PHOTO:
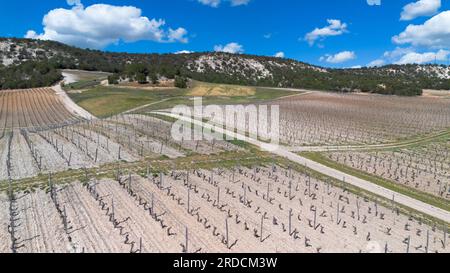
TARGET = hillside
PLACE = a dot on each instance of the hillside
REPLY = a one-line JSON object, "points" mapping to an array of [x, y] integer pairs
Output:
{"points": [[33, 63]]}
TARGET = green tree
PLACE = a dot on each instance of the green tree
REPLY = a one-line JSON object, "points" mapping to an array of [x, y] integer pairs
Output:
{"points": [[180, 82], [141, 78], [113, 79], [154, 78]]}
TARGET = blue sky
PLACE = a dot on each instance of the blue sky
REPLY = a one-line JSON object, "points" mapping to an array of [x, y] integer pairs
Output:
{"points": [[360, 33]]}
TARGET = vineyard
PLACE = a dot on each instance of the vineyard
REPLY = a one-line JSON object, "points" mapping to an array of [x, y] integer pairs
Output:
{"points": [[124, 184], [260, 209], [425, 168], [320, 119], [88, 144], [339, 119], [32, 108]]}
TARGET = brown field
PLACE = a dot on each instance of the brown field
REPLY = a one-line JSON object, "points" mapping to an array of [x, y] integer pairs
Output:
{"points": [[221, 90], [32, 108], [442, 94]]}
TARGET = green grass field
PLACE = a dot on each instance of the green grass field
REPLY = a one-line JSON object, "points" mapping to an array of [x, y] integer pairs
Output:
{"points": [[82, 85], [106, 101]]}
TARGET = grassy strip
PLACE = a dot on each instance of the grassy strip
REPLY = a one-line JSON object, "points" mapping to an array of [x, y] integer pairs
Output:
{"points": [[162, 163], [413, 193], [161, 117], [416, 142], [81, 85]]}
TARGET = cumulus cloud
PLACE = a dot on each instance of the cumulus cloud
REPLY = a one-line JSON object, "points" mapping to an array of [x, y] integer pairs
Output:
{"points": [[397, 53], [422, 58], [374, 2], [233, 48], [216, 3], [279, 54], [177, 35], [74, 3], [31, 34], [411, 55], [184, 52], [335, 28], [433, 33], [340, 57], [420, 8], [376, 63], [100, 25]]}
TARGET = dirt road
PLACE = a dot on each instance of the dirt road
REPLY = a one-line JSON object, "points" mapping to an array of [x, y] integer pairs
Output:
{"points": [[70, 105]]}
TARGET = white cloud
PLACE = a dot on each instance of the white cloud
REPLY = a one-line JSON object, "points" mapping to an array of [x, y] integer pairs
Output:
{"points": [[74, 3], [427, 57], [211, 3], [31, 34], [433, 33], [235, 3], [340, 57], [177, 35], [335, 28], [184, 52], [216, 3], [280, 54], [411, 56], [230, 48], [268, 35], [397, 52], [356, 67], [420, 8], [376, 63], [374, 2], [100, 25]]}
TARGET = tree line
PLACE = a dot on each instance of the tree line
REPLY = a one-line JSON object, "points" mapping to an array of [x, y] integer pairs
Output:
{"points": [[144, 68], [30, 74]]}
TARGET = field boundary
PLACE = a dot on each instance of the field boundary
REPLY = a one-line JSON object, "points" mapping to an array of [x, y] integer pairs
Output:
{"points": [[418, 195], [377, 147]]}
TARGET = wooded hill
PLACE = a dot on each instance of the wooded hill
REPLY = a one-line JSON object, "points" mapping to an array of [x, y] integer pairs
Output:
{"points": [[35, 63]]}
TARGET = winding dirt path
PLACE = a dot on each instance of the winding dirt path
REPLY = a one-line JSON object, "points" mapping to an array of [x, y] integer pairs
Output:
{"points": [[71, 105]]}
